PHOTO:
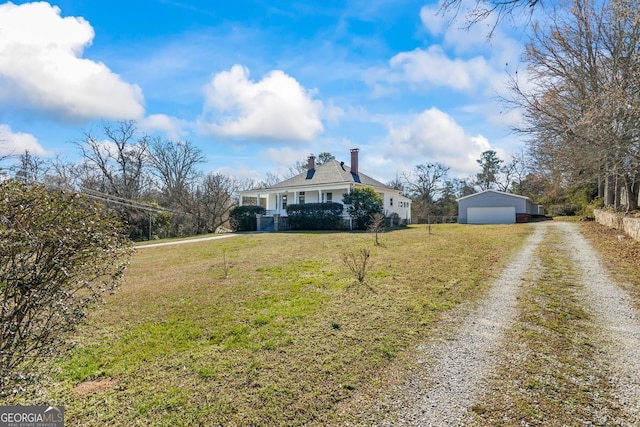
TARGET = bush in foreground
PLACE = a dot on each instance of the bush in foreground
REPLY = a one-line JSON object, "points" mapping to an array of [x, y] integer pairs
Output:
{"points": [[58, 255]]}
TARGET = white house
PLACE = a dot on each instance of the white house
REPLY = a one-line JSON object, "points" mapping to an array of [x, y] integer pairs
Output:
{"points": [[496, 207], [327, 182]]}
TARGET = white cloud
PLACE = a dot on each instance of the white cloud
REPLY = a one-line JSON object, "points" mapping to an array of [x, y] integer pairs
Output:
{"points": [[276, 107], [432, 19], [434, 136], [458, 58], [42, 68], [172, 127], [16, 143], [433, 66]]}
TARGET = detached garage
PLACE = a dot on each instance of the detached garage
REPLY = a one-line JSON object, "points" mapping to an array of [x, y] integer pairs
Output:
{"points": [[495, 207]]}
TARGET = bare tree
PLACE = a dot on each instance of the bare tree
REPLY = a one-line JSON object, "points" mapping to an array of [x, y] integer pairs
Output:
{"points": [[514, 172], [63, 174], [271, 179], [117, 166], [213, 200], [426, 180], [495, 11], [300, 166], [174, 163], [122, 158], [397, 184], [30, 168], [424, 184], [582, 102], [376, 225]]}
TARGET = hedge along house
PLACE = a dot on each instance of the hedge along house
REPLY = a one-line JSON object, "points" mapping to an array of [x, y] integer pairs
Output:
{"points": [[496, 207], [319, 184]]}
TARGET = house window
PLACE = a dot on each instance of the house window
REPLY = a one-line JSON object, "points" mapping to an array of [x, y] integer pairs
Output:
{"points": [[284, 201], [329, 197], [301, 198]]}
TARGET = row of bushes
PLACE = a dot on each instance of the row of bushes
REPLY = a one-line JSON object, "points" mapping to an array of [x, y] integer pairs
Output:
{"points": [[308, 216], [315, 216]]}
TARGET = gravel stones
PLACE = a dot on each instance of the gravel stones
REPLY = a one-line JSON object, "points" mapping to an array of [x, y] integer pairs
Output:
{"points": [[453, 367]]}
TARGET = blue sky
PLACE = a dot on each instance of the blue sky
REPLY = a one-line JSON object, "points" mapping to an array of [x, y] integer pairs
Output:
{"points": [[259, 85]]}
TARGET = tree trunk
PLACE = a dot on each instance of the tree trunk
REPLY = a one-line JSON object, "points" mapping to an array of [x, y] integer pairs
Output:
{"points": [[610, 190], [632, 187], [618, 195]]}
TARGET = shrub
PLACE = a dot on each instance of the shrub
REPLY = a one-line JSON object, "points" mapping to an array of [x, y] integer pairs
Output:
{"points": [[362, 204], [58, 254], [356, 262], [315, 216], [587, 211], [563, 210], [243, 218]]}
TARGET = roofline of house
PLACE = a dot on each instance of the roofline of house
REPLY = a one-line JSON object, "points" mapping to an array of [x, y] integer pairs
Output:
{"points": [[494, 191], [319, 186]]}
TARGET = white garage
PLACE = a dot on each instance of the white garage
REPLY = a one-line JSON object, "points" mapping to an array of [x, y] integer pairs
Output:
{"points": [[491, 215]]}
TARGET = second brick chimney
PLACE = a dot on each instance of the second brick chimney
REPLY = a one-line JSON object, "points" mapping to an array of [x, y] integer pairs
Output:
{"points": [[311, 162], [354, 160]]}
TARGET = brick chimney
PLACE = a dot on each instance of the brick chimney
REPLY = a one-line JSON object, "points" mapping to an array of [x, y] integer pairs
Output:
{"points": [[311, 162], [354, 160]]}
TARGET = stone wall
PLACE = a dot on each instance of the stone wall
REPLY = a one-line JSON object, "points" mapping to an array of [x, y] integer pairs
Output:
{"points": [[631, 226]]}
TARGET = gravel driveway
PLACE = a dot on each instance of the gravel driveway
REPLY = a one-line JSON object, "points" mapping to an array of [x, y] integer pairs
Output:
{"points": [[454, 366]]}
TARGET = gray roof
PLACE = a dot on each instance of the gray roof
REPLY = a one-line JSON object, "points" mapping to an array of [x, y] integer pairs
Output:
{"points": [[331, 172], [492, 191]]}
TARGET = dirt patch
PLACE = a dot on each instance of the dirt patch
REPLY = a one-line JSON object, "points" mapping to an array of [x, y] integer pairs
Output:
{"points": [[86, 388]]}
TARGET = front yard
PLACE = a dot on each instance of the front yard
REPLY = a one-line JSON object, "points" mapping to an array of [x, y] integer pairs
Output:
{"points": [[269, 329]]}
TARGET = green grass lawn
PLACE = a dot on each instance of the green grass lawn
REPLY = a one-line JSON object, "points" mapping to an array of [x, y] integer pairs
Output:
{"points": [[268, 329]]}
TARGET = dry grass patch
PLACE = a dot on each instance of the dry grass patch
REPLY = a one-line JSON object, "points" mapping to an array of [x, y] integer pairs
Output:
{"points": [[269, 329], [88, 387]]}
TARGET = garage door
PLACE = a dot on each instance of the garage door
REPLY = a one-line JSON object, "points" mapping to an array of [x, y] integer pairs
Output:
{"points": [[492, 215]]}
